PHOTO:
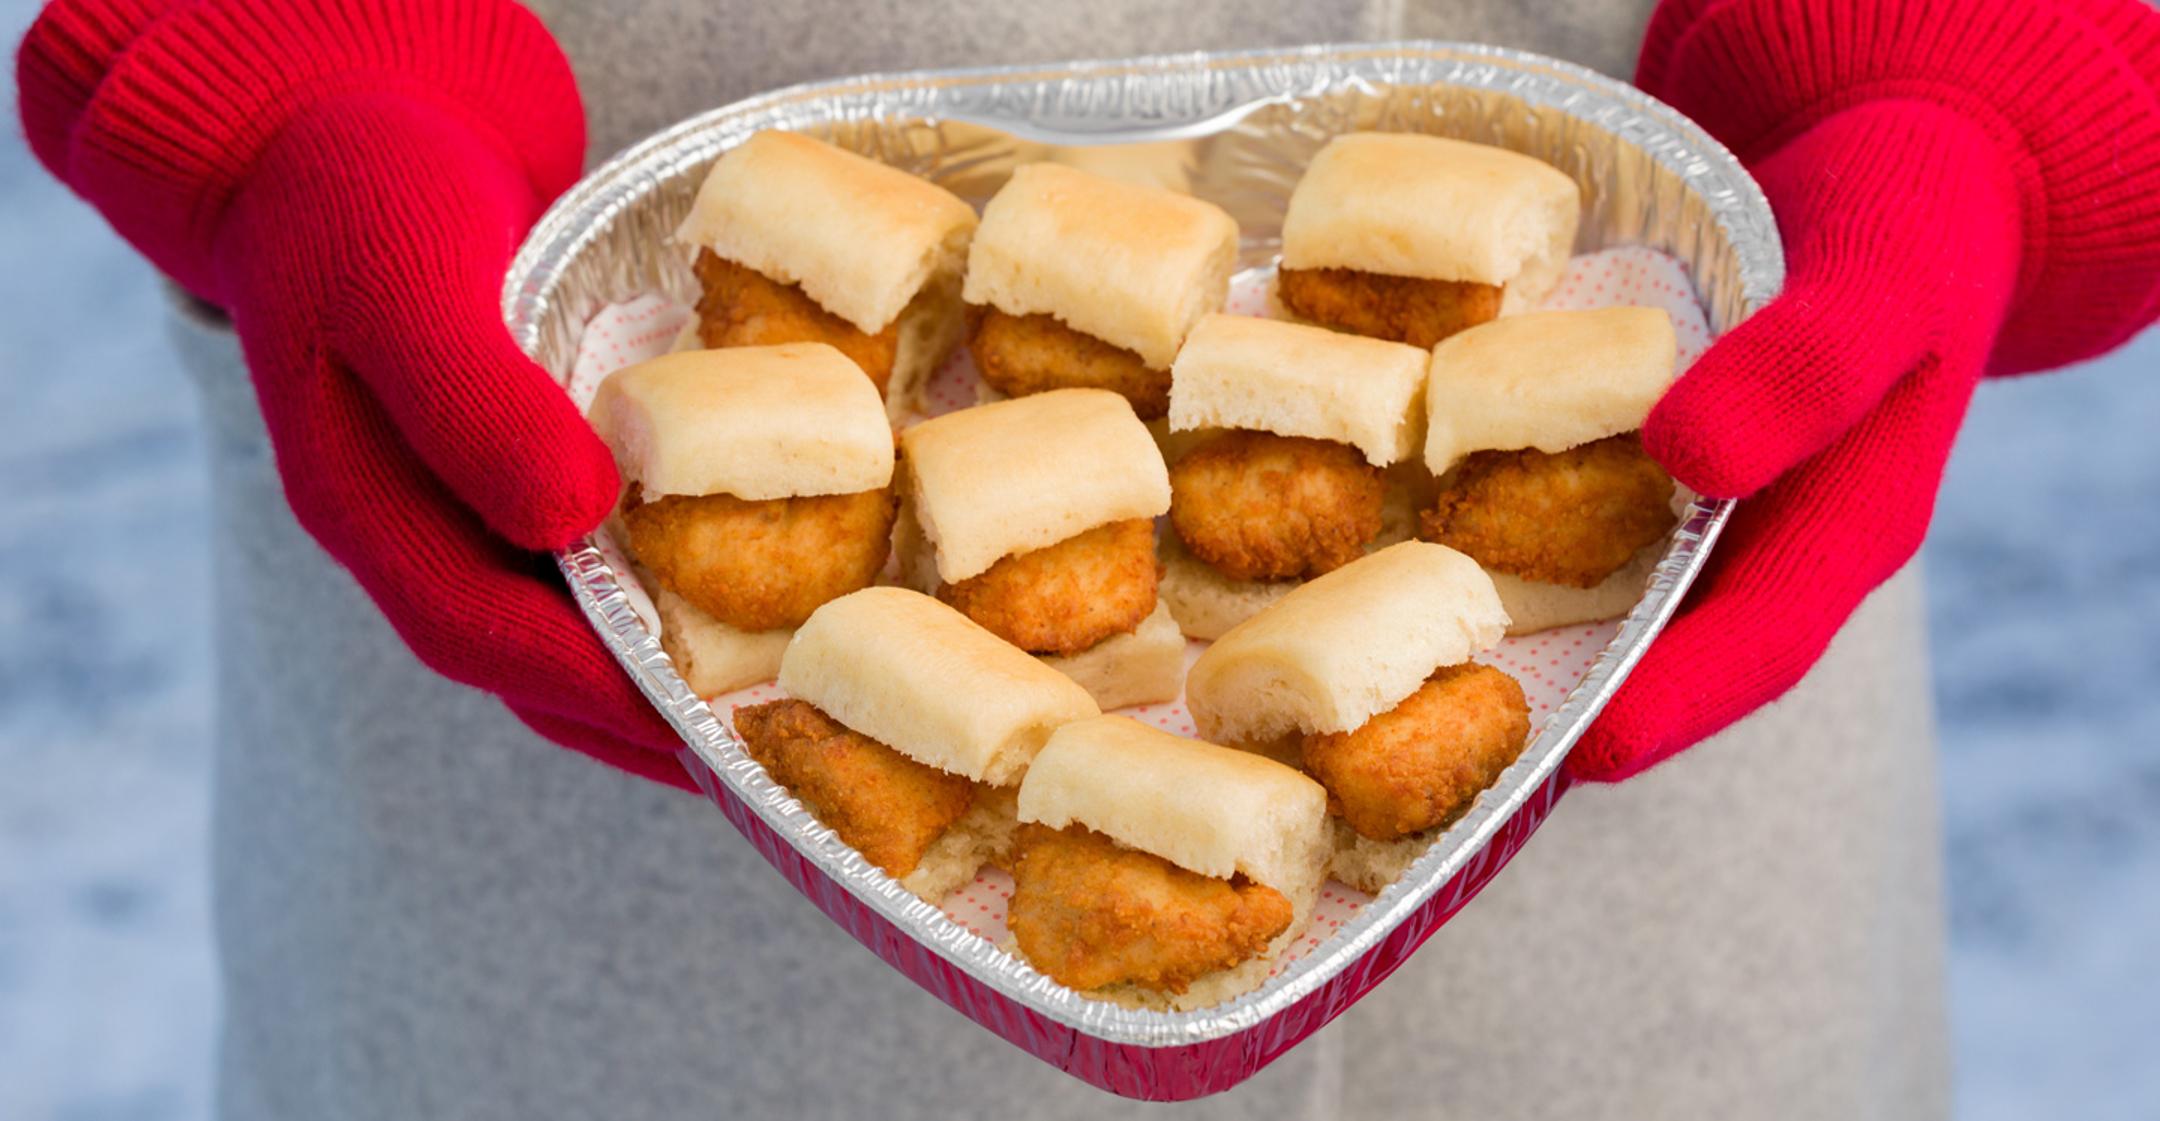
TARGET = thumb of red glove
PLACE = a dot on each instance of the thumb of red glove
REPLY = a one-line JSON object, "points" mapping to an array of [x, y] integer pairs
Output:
{"points": [[348, 180], [1963, 187]]}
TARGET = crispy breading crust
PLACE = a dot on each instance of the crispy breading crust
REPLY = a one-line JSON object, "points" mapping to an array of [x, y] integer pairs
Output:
{"points": [[1421, 763], [759, 566], [1065, 598], [1404, 309], [888, 806], [1571, 518], [1090, 913], [744, 307], [1258, 506], [1022, 354]]}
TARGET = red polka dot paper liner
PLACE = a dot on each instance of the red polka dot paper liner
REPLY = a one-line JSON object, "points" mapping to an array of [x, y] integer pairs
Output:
{"points": [[1548, 664]]}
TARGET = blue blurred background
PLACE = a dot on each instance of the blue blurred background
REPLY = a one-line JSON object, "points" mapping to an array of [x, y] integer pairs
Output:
{"points": [[2044, 572]]}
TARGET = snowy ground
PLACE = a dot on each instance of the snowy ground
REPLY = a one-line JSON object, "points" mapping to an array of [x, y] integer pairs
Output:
{"points": [[2045, 605]]}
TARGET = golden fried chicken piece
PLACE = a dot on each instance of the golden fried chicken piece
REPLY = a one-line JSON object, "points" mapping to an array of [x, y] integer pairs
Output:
{"points": [[1259, 506], [1022, 354], [1573, 518], [1091, 913], [1064, 598], [1421, 763], [888, 806], [744, 307], [758, 566], [1405, 309]]}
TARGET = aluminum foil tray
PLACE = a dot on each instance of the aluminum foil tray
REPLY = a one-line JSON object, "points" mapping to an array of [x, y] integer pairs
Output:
{"points": [[1236, 129]]}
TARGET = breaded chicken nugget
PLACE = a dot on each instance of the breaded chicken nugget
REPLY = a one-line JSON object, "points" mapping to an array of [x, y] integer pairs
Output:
{"points": [[1091, 913], [1065, 598], [1022, 354], [744, 307], [888, 806], [1572, 518], [1259, 506], [1421, 763], [758, 566], [1405, 309]]}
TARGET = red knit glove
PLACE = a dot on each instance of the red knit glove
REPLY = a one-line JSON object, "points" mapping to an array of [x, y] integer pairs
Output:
{"points": [[348, 179], [1964, 187]]}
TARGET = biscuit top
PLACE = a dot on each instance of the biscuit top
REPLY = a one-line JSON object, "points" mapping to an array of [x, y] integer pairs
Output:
{"points": [[757, 422], [1004, 478], [1549, 380]]}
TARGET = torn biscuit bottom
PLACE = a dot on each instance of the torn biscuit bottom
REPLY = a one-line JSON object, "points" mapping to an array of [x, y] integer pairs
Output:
{"points": [[1369, 865], [982, 838], [1404, 309], [712, 657], [1127, 926], [760, 564], [1534, 607], [1206, 603], [930, 829], [743, 307], [1143, 666], [1022, 354], [1571, 517], [1259, 506]]}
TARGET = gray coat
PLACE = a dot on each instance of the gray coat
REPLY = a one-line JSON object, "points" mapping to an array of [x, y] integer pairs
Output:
{"points": [[425, 912]]}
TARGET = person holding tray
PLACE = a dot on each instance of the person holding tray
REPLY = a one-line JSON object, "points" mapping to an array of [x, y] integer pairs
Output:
{"points": [[427, 909]]}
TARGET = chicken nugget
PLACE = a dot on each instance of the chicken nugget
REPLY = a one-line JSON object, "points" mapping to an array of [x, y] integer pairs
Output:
{"points": [[1405, 309], [1065, 598], [1089, 913], [1421, 763], [1258, 506], [1022, 354], [744, 307], [888, 806], [1572, 518], [767, 564]]}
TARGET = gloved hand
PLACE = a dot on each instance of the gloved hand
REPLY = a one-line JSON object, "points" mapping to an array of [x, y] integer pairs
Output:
{"points": [[347, 180], [1965, 187]]}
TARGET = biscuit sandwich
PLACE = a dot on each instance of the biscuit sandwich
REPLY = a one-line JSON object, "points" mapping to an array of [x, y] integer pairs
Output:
{"points": [[1412, 238], [1296, 453], [1533, 437], [1075, 280], [1364, 679], [758, 486], [801, 241], [1159, 871], [905, 730], [1035, 518]]}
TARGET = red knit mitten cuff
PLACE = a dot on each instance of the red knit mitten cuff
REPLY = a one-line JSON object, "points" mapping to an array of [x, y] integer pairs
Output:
{"points": [[155, 111]]}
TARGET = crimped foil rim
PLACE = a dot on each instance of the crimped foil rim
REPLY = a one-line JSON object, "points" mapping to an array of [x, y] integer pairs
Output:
{"points": [[1209, 90]]}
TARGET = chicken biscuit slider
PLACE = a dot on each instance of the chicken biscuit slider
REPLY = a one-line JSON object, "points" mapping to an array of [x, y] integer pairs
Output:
{"points": [[1413, 238], [1076, 280], [800, 241], [759, 486], [905, 730], [1542, 478], [1364, 678], [1035, 517], [1161, 871], [1287, 479]]}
